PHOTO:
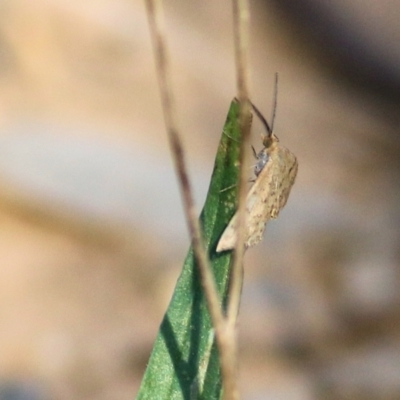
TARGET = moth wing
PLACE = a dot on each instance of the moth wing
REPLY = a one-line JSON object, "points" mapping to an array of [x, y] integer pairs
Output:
{"points": [[270, 193], [284, 175], [228, 238], [256, 215], [266, 198]]}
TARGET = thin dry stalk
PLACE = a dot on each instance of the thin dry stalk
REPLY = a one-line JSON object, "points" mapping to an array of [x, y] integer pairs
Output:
{"points": [[224, 328], [156, 23], [241, 16], [229, 356]]}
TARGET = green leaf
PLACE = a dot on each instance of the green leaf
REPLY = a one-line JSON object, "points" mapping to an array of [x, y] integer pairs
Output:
{"points": [[184, 362]]}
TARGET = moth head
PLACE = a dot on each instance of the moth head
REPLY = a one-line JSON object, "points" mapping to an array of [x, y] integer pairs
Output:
{"points": [[269, 140]]}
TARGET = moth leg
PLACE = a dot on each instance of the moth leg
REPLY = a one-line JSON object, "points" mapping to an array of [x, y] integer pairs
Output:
{"points": [[227, 188], [252, 180], [254, 152], [230, 137]]}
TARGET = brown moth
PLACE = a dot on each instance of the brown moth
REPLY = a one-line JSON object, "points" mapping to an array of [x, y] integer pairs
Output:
{"points": [[275, 172]]}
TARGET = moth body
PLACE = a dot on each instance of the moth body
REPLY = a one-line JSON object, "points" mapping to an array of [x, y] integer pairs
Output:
{"points": [[275, 171]]}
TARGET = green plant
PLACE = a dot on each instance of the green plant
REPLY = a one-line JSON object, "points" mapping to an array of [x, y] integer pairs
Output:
{"points": [[184, 363]]}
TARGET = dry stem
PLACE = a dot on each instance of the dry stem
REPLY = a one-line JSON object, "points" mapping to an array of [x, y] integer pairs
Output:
{"points": [[155, 16], [224, 327]]}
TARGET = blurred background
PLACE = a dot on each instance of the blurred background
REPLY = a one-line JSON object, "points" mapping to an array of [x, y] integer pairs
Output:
{"points": [[91, 227]]}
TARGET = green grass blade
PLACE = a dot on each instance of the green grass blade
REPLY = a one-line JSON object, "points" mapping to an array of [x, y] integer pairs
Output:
{"points": [[184, 362]]}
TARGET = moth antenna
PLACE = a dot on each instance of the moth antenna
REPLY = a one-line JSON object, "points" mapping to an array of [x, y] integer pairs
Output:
{"points": [[275, 101], [262, 119]]}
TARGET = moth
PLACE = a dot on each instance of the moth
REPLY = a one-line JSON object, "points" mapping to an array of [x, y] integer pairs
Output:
{"points": [[275, 171]]}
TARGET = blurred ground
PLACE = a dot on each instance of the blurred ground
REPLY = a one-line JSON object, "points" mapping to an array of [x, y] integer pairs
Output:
{"points": [[92, 236]]}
